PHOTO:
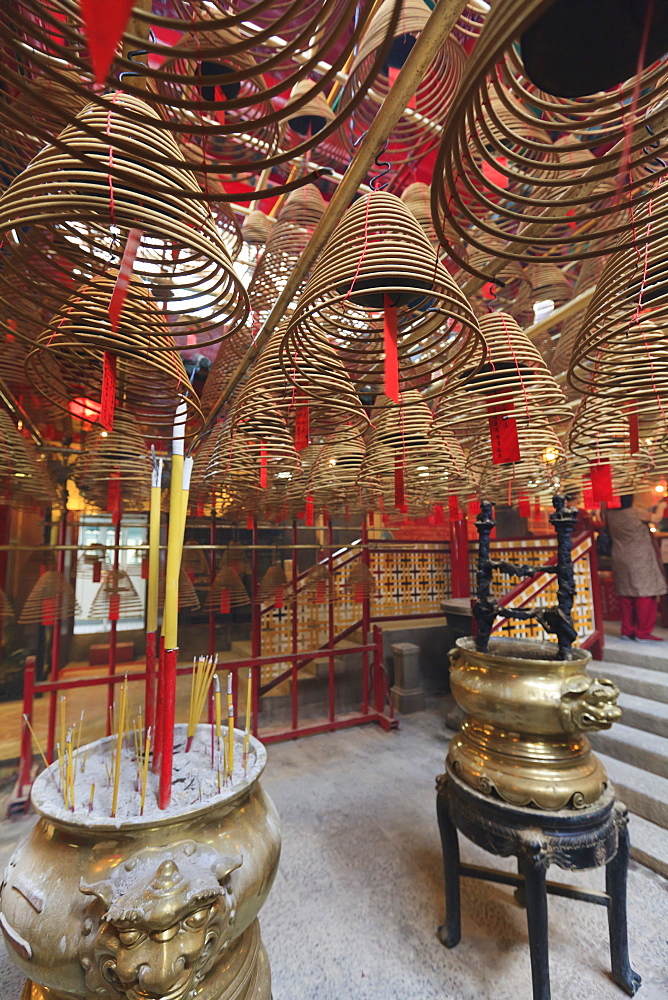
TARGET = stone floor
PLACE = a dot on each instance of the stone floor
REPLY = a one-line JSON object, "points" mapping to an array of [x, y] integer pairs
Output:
{"points": [[358, 896]]}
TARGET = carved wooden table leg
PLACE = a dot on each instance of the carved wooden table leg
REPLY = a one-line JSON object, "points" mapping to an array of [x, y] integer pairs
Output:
{"points": [[615, 885], [450, 932], [533, 866]]}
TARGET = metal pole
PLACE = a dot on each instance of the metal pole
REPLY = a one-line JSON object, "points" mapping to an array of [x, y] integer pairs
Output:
{"points": [[55, 642], [434, 34], [114, 626]]}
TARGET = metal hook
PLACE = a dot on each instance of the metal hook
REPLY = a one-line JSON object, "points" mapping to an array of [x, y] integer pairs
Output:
{"points": [[131, 57], [374, 182]]}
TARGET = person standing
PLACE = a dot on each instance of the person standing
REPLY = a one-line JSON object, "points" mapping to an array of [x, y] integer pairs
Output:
{"points": [[637, 573]]}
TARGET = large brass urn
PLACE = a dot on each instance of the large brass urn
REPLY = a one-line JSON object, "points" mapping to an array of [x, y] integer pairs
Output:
{"points": [[523, 737], [136, 910]]}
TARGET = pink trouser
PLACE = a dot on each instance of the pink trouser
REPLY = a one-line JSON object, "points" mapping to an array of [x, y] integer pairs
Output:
{"points": [[638, 616]]}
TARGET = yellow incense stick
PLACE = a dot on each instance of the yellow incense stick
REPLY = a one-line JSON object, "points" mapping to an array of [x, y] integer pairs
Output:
{"points": [[249, 699], [119, 745], [69, 776], [37, 743], [154, 550], [144, 775], [230, 726]]}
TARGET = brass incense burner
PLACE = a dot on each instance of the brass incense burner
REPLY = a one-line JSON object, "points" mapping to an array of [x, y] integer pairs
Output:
{"points": [[145, 910], [527, 715]]}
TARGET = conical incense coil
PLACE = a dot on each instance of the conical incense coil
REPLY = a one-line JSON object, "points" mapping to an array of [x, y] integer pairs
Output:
{"points": [[297, 220], [256, 228], [23, 477], [588, 274], [339, 480], [379, 256], [218, 81], [114, 469], [50, 600], [274, 588], [538, 471], [412, 136], [69, 359], [227, 591], [310, 118], [195, 564], [449, 475], [315, 401], [417, 199], [562, 197], [360, 583], [116, 598], [187, 597], [319, 586], [235, 555], [229, 354], [6, 609], [79, 215], [223, 216], [602, 435], [513, 382]]}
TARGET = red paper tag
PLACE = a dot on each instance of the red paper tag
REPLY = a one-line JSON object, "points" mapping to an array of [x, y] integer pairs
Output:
{"points": [[399, 496], [302, 428], [634, 430], [391, 380], [250, 523], [114, 497], [224, 601], [124, 275], [278, 598], [588, 497], [114, 607], [108, 399], [439, 513], [358, 593], [308, 513], [97, 571], [144, 568], [601, 480], [263, 465], [474, 508], [320, 591], [503, 433], [524, 506], [453, 508], [105, 24], [49, 611], [615, 502]]}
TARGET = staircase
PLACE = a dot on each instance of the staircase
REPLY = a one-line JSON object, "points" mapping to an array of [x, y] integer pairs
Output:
{"points": [[635, 751]]}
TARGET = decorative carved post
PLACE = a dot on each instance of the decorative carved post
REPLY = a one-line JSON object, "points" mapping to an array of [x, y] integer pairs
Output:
{"points": [[485, 608]]}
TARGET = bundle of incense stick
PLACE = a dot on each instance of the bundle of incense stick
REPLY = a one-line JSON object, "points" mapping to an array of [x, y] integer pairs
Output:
{"points": [[230, 727], [249, 702], [204, 667], [120, 733], [218, 719]]}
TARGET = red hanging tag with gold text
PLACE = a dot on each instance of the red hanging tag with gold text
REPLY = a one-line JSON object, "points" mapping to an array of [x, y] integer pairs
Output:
{"points": [[278, 598], [144, 568], [399, 495], [123, 277], [601, 480], [308, 511], [588, 497], [503, 432], [49, 611], [224, 601], [390, 335], [634, 429], [320, 592], [105, 24], [524, 506], [108, 397], [114, 497], [474, 507], [114, 607], [302, 428], [358, 593], [453, 508], [263, 465]]}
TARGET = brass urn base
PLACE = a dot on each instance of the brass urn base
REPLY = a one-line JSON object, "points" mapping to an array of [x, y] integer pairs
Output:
{"points": [[546, 772]]}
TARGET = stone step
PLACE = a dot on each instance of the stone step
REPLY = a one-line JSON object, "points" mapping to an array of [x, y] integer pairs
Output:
{"points": [[644, 713], [633, 746], [649, 844], [634, 680], [648, 655], [644, 793]]}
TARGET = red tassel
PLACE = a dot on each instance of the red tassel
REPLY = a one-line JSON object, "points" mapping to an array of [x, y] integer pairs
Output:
{"points": [[124, 275], [399, 495], [308, 513], [224, 601], [97, 571], [105, 24], [391, 381], [634, 429], [49, 611], [263, 465], [114, 607], [601, 480], [503, 433], [302, 429], [108, 398]]}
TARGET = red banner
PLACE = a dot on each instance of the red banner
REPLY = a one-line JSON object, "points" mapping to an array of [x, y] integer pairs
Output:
{"points": [[105, 22], [301, 426], [524, 506], [308, 512], [391, 380], [601, 480], [224, 601], [123, 277], [503, 432], [263, 465], [108, 397], [114, 607], [453, 508], [634, 429]]}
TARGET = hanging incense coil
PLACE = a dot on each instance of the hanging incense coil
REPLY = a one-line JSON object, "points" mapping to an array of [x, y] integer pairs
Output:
{"points": [[69, 358], [417, 131], [319, 586], [235, 555], [379, 255], [224, 218], [514, 381], [187, 596], [589, 273], [274, 588], [218, 80], [299, 215], [417, 199], [23, 476], [230, 353], [537, 473], [563, 193], [116, 597], [114, 468], [6, 609], [50, 600], [227, 591], [601, 434], [76, 217], [256, 227], [311, 118], [195, 564], [338, 478], [360, 583]]}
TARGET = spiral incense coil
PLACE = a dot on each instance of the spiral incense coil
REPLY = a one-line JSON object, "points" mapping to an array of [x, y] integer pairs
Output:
{"points": [[319, 586], [227, 359], [235, 555], [68, 359], [187, 596], [76, 217], [117, 456], [50, 600], [537, 473], [360, 583], [588, 274], [601, 434], [195, 564], [274, 589], [256, 227], [224, 218], [547, 283], [227, 591], [378, 255], [416, 197], [338, 479], [298, 218], [311, 118], [417, 131], [23, 476], [116, 597], [567, 195], [514, 381], [228, 69], [6, 609]]}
